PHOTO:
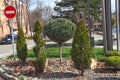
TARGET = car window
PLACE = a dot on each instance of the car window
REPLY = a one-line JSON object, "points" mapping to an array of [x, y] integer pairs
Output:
{"points": [[10, 36]]}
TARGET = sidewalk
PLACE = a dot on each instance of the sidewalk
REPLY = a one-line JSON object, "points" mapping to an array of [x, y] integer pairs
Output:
{"points": [[69, 42]]}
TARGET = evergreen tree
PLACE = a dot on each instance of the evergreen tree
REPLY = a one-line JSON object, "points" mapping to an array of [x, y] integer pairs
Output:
{"points": [[39, 62], [78, 9], [81, 50], [60, 30], [38, 38], [21, 46]]}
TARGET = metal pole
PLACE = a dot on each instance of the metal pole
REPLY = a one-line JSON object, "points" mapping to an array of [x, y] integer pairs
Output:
{"points": [[118, 23], [108, 24], [104, 26], [12, 39], [89, 21]]}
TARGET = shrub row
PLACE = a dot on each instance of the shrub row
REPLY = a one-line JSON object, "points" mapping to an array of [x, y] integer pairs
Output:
{"points": [[113, 59]]}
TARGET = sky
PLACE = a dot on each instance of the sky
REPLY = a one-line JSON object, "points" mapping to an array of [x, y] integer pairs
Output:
{"points": [[52, 4], [113, 6], [45, 2]]}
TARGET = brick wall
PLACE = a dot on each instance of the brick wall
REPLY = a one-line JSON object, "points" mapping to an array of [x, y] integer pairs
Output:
{"points": [[4, 28]]}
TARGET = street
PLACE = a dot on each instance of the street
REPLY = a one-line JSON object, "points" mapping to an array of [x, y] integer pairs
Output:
{"points": [[6, 49]]}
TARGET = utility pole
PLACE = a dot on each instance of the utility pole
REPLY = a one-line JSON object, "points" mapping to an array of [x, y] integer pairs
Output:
{"points": [[89, 23], [107, 25], [104, 26], [118, 23]]}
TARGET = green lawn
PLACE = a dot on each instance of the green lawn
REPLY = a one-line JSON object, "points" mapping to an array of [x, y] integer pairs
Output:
{"points": [[54, 53], [99, 53]]}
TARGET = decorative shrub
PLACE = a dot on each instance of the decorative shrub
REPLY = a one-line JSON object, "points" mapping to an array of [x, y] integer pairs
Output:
{"points": [[59, 30], [21, 46], [81, 50], [39, 62], [113, 61], [113, 53], [38, 38]]}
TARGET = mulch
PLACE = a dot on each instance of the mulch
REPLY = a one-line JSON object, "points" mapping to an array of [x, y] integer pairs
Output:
{"points": [[54, 69]]}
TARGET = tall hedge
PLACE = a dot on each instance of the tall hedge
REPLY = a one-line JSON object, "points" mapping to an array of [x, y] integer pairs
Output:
{"points": [[59, 30], [81, 50], [21, 46], [39, 62]]}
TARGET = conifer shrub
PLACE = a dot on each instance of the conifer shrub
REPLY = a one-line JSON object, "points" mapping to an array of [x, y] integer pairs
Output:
{"points": [[40, 60], [39, 43], [59, 30], [81, 50], [112, 53], [40, 63], [21, 46], [113, 61]]}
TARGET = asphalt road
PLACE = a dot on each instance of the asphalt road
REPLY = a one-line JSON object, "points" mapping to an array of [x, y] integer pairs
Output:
{"points": [[7, 49]]}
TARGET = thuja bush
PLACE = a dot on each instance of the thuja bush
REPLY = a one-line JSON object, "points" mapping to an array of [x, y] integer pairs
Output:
{"points": [[112, 53], [21, 46], [39, 62], [113, 61], [39, 43], [59, 30], [81, 50]]}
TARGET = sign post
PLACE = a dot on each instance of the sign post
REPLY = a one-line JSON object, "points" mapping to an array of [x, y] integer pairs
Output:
{"points": [[10, 13]]}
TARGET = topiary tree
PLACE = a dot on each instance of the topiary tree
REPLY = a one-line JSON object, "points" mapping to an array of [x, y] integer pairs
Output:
{"points": [[59, 30], [21, 46], [38, 38], [81, 50], [39, 62]]}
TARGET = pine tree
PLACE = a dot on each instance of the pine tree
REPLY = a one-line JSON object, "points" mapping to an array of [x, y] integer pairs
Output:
{"points": [[75, 10], [60, 30], [21, 46], [81, 50]]}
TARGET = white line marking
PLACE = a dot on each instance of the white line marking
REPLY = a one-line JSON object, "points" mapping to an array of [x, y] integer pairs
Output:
{"points": [[10, 12]]}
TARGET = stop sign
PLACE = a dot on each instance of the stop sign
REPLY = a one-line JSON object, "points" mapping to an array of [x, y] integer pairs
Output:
{"points": [[10, 11]]}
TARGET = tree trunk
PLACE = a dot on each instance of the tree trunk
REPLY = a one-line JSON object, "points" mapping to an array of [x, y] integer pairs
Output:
{"points": [[9, 25], [82, 72], [17, 14], [1, 25], [60, 52]]}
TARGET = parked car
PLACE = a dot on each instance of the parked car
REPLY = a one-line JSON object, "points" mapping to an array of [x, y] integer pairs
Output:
{"points": [[97, 29], [114, 35], [8, 39]]}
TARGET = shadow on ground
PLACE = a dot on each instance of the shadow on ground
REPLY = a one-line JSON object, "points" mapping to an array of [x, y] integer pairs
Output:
{"points": [[59, 75], [56, 45], [107, 78]]}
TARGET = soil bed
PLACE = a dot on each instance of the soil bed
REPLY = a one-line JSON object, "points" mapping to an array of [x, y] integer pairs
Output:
{"points": [[56, 71]]}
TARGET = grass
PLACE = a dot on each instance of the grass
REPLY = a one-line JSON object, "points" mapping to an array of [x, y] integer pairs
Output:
{"points": [[54, 53], [99, 53]]}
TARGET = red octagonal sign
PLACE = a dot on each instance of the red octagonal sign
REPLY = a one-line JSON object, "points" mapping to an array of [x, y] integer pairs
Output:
{"points": [[10, 12]]}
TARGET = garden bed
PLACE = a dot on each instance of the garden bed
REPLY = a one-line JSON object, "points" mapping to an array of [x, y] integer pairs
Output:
{"points": [[56, 71]]}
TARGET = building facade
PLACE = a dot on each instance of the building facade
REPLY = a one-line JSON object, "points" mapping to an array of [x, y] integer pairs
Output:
{"points": [[21, 19]]}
